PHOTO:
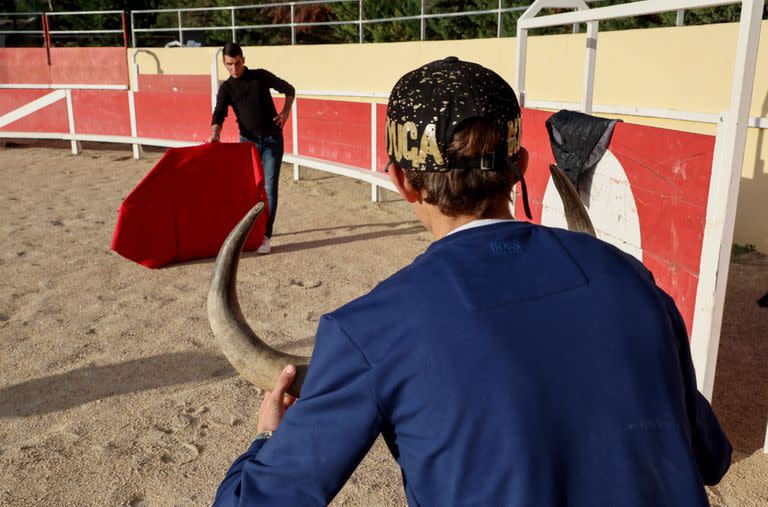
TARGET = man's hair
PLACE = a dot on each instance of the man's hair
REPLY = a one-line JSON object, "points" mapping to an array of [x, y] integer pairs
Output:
{"points": [[468, 191], [232, 50]]}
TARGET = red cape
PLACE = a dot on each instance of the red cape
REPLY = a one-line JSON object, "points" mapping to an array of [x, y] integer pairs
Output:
{"points": [[188, 203]]}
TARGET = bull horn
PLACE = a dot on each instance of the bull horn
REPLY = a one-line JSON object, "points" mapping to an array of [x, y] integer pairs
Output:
{"points": [[576, 215], [253, 359]]}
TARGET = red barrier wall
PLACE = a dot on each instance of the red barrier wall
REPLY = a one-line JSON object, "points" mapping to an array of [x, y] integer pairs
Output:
{"points": [[668, 171], [104, 66], [24, 65], [104, 112], [179, 83], [336, 131], [89, 66], [184, 117]]}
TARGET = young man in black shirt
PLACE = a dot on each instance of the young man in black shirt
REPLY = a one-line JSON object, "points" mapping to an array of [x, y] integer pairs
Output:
{"points": [[247, 91]]}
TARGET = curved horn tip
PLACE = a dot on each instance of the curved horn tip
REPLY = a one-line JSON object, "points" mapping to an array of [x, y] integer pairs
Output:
{"points": [[242, 347]]}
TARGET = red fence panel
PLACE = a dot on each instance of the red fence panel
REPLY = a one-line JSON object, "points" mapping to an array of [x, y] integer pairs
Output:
{"points": [[24, 66], [103, 112], [99, 66], [183, 117], [179, 83], [335, 131]]}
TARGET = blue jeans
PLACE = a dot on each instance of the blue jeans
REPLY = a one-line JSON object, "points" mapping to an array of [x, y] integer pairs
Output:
{"points": [[270, 150]]}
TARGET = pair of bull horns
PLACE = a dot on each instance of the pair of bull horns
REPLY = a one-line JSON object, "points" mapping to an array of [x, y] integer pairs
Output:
{"points": [[259, 363]]}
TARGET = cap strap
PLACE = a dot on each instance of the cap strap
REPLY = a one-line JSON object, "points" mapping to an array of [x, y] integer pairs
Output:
{"points": [[519, 173], [486, 162]]}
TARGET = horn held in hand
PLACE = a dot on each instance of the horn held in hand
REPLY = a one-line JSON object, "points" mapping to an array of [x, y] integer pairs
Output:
{"points": [[256, 361], [576, 215]]}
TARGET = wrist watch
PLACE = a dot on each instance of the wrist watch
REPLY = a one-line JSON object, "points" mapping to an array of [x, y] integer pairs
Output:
{"points": [[263, 435]]}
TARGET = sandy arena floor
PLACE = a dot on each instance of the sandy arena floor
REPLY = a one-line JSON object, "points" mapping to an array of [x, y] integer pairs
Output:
{"points": [[113, 390]]}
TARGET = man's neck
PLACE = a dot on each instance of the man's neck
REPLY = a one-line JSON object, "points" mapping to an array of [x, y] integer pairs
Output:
{"points": [[440, 225]]}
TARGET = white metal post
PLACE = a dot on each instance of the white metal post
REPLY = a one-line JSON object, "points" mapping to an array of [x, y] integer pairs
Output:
{"points": [[723, 194], [522, 55], [133, 32], [215, 77], [232, 19], [135, 76], [360, 20], [295, 138], [181, 32], [137, 151], [423, 24], [589, 66], [76, 147], [293, 26], [522, 37], [374, 147], [680, 18], [498, 20]]}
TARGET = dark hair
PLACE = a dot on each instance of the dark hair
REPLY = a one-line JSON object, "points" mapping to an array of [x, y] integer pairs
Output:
{"points": [[232, 50], [468, 191]]}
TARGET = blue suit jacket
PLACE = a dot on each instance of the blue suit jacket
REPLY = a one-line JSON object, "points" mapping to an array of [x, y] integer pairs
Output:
{"points": [[510, 364]]}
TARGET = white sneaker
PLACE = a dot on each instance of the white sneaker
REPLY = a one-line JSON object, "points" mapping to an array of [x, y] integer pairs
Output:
{"points": [[265, 247]]}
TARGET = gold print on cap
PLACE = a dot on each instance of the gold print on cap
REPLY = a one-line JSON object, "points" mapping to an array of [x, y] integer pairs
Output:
{"points": [[429, 145], [513, 136], [408, 130], [399, 137], [394, 147]]}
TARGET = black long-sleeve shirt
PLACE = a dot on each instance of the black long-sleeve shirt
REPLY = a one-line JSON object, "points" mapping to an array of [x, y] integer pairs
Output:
{"points": [[252, 102]]}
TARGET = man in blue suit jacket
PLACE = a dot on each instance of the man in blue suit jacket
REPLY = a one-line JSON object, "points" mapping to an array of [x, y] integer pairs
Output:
{"points": [[509, 364]]}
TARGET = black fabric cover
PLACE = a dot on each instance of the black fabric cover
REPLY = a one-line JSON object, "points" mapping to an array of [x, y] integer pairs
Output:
{"points": [[578, 141]]}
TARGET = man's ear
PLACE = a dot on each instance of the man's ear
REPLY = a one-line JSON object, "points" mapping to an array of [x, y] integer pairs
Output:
{"points": [[404, 187]]}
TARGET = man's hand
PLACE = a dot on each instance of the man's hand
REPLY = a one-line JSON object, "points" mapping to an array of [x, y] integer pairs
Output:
{"points": [[215, 133], [282, 118], [276, 402]]}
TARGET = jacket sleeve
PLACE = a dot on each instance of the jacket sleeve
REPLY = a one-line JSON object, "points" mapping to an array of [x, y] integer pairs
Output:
{"points": [[278, 84], [222, 106], [711, 447], [322, 437]]}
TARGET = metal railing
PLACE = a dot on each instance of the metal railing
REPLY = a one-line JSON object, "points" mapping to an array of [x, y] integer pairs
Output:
{"points": [[233, 27], [47, 33]]}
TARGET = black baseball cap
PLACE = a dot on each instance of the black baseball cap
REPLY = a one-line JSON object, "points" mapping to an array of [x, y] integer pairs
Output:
{"points": [[428, 104]]}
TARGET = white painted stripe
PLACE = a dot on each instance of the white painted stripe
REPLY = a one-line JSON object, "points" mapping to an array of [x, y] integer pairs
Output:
{"points": [[29, 86], [35, 86], [71, 121], [89, 86], [340, 93], [374, 137], [70, 112], [669, 114], [344, 170], [31, 107]]}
